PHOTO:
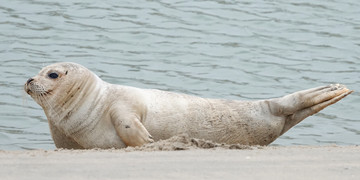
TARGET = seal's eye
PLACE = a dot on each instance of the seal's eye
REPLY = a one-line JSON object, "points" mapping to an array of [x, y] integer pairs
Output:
{"points": [[53, 75]]}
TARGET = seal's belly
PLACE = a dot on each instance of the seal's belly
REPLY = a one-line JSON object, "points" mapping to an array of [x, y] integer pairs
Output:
{"points": [[103, 135]]}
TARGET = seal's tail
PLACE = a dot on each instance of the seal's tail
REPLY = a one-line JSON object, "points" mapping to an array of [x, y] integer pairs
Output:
{"points": [[299, 105]]}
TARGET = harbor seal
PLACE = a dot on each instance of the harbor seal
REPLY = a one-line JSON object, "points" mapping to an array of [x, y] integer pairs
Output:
{"points": [[85, 112]]}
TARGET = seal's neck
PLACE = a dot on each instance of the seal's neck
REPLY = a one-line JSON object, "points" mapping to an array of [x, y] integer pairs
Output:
{"points": [[79, 94]]}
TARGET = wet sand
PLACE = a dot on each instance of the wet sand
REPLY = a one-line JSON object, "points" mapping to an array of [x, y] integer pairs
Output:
{"points": [[185, 159]]}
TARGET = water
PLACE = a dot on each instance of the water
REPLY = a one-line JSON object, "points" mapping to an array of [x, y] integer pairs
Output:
{"points": [[245, 50]]}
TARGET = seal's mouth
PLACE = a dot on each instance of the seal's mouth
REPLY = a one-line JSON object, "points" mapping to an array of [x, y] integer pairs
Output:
{"points": [[27, 84], [28, 91]]}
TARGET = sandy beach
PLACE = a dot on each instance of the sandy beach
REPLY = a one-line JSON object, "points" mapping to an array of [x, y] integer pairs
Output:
{"points": [[184, 158]]}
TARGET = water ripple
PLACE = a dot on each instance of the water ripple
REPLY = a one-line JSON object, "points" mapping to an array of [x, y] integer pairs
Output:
{"points": [[244, 50]]}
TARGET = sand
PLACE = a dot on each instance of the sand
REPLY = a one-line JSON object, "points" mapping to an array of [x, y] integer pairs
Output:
{"points": [[185, 158]]}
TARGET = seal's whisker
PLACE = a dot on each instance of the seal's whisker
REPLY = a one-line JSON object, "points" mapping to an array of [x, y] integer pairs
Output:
{"points": [[45, 101], [24, 99]]}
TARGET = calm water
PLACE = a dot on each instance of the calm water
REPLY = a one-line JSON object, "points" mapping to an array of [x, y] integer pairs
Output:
{"points": [[220, 49]]}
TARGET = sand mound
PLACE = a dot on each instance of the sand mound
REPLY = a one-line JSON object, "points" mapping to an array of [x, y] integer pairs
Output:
{"points": [[184, 142]]}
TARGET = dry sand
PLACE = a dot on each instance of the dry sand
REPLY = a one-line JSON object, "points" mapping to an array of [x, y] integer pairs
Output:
{"points": [[185, 158]]}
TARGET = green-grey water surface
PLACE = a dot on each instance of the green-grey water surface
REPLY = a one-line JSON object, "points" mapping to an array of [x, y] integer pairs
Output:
{"points": [[244, 50]]}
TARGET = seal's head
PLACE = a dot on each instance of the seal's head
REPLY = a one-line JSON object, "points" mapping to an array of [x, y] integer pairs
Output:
{"points": [[55, 81]]}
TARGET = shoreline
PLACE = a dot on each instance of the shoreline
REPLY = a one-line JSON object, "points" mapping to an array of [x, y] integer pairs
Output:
{"points": [[271, 162]]}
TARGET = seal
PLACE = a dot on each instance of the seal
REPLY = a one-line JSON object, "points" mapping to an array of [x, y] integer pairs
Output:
{"points": [[85, 112]]}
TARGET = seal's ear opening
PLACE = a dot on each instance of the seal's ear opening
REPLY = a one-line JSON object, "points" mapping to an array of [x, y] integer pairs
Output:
{"points": [[66, 72]]}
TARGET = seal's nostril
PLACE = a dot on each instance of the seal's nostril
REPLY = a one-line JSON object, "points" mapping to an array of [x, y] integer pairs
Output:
{"points": [[29, 80]]}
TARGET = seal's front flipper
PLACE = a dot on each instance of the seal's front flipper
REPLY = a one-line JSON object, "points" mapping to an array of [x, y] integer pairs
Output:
{"points": [[299, 105], [131, 131]]}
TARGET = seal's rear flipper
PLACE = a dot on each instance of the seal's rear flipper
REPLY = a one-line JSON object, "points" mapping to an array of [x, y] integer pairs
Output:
{"points": [[299, 105], [302, 114]]}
